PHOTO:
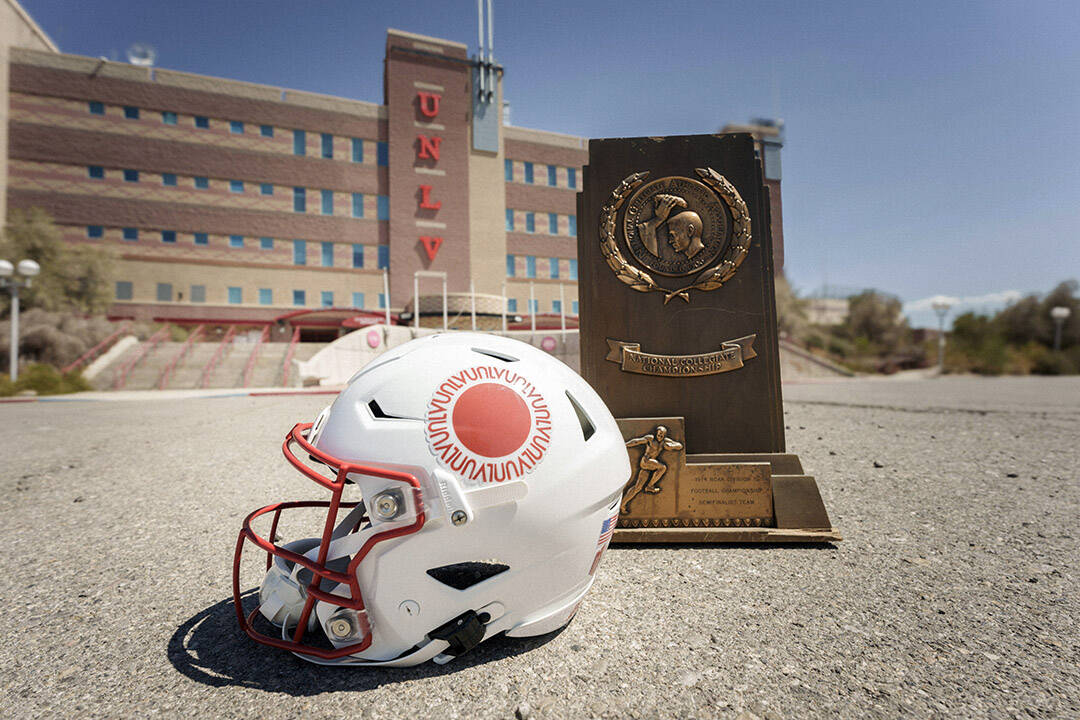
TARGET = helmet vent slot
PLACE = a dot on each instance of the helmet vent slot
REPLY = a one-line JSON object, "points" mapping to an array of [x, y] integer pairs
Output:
{"points": [[379, 414], [462, 576], [497, 355], [587, 427]]}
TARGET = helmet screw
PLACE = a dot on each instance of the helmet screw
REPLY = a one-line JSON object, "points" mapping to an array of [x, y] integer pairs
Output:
{"points": [[386, 506], [459, 517], [340, 628]]}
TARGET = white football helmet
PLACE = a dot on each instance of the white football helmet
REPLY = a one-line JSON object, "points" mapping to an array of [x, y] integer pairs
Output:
{"points": [[490, 476]]}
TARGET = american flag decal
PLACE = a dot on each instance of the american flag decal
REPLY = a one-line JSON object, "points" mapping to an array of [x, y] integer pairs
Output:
{"points": [[606, 531]]}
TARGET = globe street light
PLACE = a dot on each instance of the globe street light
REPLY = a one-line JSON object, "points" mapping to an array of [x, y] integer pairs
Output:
{"points": [[941, 306], [1060, 314], [14, 278]]}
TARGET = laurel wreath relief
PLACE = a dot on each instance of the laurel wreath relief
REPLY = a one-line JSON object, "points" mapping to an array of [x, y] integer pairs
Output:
{"points": [[709, 279]]}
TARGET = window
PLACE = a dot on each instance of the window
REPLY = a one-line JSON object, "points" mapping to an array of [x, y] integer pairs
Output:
{"points": [[556, 306], [198, 293], [534, 307], [299, 142], [266, 296], [202, 183], [236, 186], [382, 154], [95, 231], [553, 223], [511, 305], [573, 269], [530, 222], [383, 207], [510, 269], [299, 297], [202, 238], [509, 169], [168, 179], [168, 236], [384, 257], [299, 252], [95, 171], [131, 112], [236, 295], [266, 130], [571, 178], [236, 241], [382, 301], [236, 127], [326, 252], [357, 205], [169, 118], [326, 298], [358, 256], [529, 172], [266, 189], [97, 108], [572, 221], [131, 234], [299, 199], [164, 292], [266, 243], [327, 142], [552, 176], [131, 176], [357, 150], [573, 307], [509, 219], [202, 122], [358, 300], [123, 290], [553, 268], [530, 266], [327, 202]]}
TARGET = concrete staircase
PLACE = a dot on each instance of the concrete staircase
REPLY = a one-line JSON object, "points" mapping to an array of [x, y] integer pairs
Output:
{"points": [[104, 380], [190, 370], [229, 372], [269, 365], [146, 374]]}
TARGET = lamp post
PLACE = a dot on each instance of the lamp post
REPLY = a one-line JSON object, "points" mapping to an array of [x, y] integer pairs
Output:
{"points": [[1060, 314], [941, 307], [14, 278]]}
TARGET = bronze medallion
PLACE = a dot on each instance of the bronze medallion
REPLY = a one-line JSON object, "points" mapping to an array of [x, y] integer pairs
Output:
{"points": [[675, 226]]}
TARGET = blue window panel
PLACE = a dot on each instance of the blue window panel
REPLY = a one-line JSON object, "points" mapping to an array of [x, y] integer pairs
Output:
{"points": [[123, 290], [358, 205], [571, 177], [95, 231], [384, 257], [509, 220], [236, 295], [358, 300], [236, 186], [382, 154], [326, 298], [552, 176], [509, 170], [198, 294], [168, 117], [168, 236], [97, 108], [95, 171], [327, 143], [358, 256], [299, 200], [573, 307], [382, 301], [357, 150], [202, 183], [299, 142], [131, 233], [266, 296], [202, 238], [553, 223], [266, 189], [573, 225], [131, 112], [573, 268], [164, 292], [236, 127], [168, 179], [529, 172], [299, 297], [327, 202], [131, 176], [236, 241], [383, 203], [534, 307], [530, 222], [511, 305], [202, 122], [530, 266], [326, 253], [553, 268], [266, 130], [556, 306], [266, 243], [510, 269], [299, 252]]}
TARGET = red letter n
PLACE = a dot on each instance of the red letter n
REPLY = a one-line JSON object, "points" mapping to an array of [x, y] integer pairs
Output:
{"points": [[429, 147]]}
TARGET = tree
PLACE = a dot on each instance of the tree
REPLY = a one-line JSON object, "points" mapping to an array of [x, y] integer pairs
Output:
{"points": [[72, 278], [876, 318], [790, 310]]}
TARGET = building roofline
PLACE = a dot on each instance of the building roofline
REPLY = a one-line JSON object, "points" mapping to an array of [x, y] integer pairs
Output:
{"points": [[544, 137], [33, 25], [426, 38]]}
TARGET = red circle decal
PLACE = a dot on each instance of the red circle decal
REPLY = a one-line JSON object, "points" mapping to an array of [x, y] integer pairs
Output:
{"points": [[491, 420]]}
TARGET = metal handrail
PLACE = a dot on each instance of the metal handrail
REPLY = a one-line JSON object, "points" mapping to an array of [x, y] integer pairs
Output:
{"points": [[250, 367], [208, 371], [289, 356], [144, 349], [166, 374], [96, 350]]}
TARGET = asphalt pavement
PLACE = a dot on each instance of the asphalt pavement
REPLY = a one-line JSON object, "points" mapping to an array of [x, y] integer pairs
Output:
{"points": [[953, 595]]}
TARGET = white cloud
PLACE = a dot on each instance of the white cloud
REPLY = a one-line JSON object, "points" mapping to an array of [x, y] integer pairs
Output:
{"points": [[920, 313]]}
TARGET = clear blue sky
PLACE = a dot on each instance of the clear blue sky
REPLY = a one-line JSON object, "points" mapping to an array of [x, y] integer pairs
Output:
{"points": [[932, 147]]}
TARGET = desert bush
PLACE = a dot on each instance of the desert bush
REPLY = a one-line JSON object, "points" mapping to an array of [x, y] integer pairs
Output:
{"points": [[44, 380]]}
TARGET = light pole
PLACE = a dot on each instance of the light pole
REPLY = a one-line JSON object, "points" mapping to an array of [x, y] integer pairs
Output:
{"points": [[14, 278], [1060, 314], [941, 307]]}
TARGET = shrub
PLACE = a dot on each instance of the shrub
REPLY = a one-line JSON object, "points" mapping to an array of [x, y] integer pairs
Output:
{"points": [[44, 380]]}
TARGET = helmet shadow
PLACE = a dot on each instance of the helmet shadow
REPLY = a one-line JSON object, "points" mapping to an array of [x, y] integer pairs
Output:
{"points": [[210, 648]]}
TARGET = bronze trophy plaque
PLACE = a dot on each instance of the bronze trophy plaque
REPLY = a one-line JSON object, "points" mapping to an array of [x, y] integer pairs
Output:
{"points": [[678, 336]]}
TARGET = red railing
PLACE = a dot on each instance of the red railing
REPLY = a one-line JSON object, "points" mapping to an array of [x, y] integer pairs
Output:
{"points": [[289, 356], [96, 350], [254, 356], [166, 374], [145, 349], [208, 371]]}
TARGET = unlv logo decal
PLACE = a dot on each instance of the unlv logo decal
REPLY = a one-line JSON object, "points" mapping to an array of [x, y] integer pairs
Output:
{"points": [[488, 424]]}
